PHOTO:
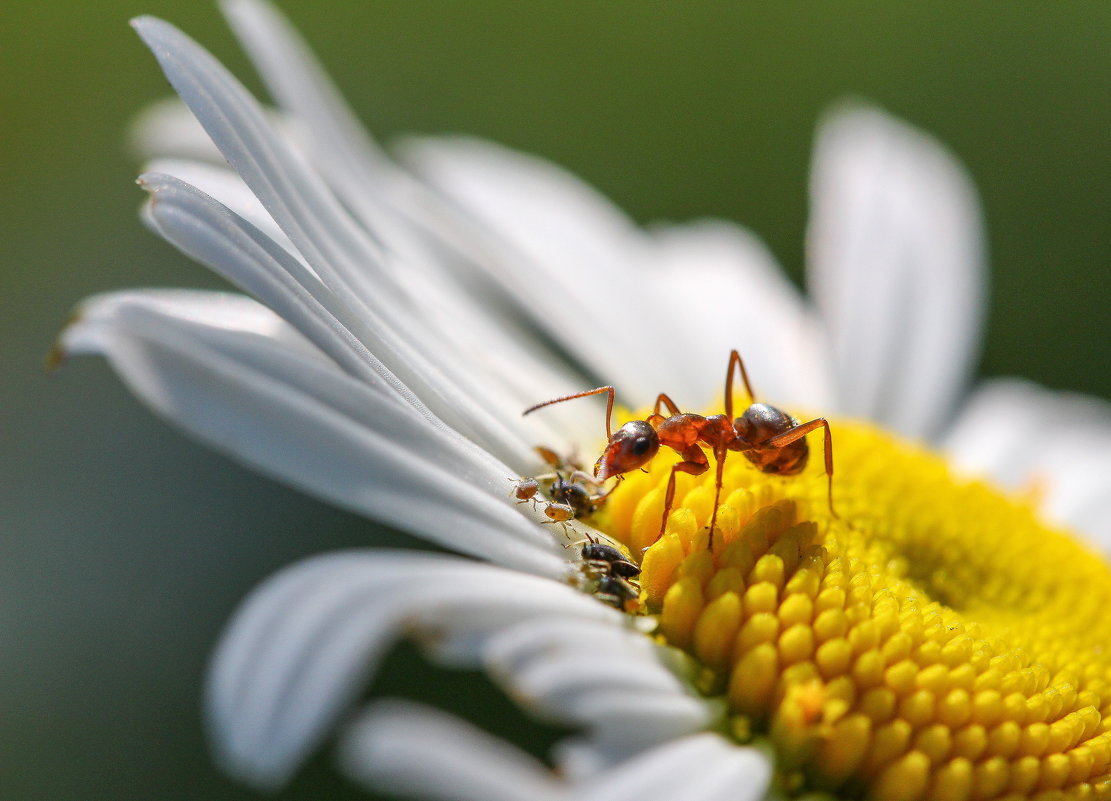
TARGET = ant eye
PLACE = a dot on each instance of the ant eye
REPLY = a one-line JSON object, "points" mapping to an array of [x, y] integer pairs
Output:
{"points": [[640, 446]]}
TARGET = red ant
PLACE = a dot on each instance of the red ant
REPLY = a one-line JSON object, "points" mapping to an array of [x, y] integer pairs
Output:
{"points": [[768, 437]]}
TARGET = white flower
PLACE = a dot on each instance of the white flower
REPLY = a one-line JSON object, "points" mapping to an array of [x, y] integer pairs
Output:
{"points": [[383, 365]]}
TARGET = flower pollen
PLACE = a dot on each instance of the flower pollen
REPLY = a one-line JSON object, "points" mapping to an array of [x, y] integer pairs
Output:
{"points": [[934, 641]]}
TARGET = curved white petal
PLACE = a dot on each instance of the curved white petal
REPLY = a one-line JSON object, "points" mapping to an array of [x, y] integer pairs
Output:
{"points": [[303, 643], [392, 746], [340, 252], [1056, 445], [442, 255], [577, 671], [567, 255], [701, 767], [295, 197], [360, 172], [220, 311], [167, 129], [298, 82], [225, 187], [410, 749], [212, 234], [293, 415], [725, 288], [896, 265]]}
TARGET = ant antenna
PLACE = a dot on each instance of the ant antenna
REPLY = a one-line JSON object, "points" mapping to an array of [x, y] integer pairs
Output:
{"points": [[598, 391]]}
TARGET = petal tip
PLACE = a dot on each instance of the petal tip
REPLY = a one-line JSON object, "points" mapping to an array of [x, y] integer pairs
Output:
{"points": [[55, 357], [58, 354], [144, 22], [150, 182]]}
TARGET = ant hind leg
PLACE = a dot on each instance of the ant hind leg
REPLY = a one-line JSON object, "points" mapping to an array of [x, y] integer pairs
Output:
{"points": [[797, 433], [736, 363]]}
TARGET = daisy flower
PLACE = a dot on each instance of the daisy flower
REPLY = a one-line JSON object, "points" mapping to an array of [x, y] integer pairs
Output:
{"points": [[938, 636]]}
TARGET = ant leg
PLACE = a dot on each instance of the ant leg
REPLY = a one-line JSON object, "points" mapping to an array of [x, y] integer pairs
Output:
{"points": [[694, 463], [735, 361], [583, 477], [800, 431], [666, 401], [720, 459], [598, 391]]}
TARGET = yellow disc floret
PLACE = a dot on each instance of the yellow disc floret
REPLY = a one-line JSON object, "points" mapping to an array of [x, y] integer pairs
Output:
{"points": [[935, 640]]}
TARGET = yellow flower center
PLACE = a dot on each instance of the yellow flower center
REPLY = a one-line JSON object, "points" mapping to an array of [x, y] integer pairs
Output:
{"points": [[935, 641]]}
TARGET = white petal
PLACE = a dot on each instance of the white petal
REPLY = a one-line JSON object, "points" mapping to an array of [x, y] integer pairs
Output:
{"points": [[702, 767], [896, 264], [614, 680], [297, 418], [167, 129], [579, 657], [439, 249], [340, 252], [394, 745], [212, 234], [991, 435], [299, 83], [410, 749], [222, 311], [725, 287], [1056, 444], [587, 265], [293, 194], [303, 643], [227, 188]]}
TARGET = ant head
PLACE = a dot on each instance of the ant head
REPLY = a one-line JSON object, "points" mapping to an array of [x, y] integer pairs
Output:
{"points": [[631, 446]]}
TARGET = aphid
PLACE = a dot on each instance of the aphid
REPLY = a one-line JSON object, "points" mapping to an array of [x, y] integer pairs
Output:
{"points": [[575, 495], [613, 560], [558, 512], [609, 574], [617, 592], [578, 490], [525, 489], [768, 437], [606, 559], [581, 491]]}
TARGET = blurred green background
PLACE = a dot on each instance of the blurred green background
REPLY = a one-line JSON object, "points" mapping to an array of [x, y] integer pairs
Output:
{"points": [[125, 546]]}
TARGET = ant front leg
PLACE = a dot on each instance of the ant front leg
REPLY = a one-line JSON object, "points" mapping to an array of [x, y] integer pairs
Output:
{"points": [[797, 433], [695, 463]]}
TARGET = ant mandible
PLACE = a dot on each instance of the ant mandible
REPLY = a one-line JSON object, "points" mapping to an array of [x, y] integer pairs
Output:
{"points": [[768, 437]]}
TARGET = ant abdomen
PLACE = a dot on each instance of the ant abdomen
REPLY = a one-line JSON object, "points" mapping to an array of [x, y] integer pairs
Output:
{"points": [[762, 422]]}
